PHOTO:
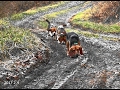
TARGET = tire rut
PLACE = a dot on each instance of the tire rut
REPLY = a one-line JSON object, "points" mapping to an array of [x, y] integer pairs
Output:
{"points": [[63, 72], [59, 69]]}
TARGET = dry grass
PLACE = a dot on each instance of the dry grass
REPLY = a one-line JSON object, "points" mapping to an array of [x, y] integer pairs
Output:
{"points": [[8, 8], [105, 9]]}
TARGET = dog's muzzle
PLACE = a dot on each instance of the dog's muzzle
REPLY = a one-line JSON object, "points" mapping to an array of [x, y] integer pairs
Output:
{"points": [[75, 56], [62, 35]]}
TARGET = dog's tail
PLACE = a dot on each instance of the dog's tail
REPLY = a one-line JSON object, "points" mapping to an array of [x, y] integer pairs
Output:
{"points": [[47, 22]]}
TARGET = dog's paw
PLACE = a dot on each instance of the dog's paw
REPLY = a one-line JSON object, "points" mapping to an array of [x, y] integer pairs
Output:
{"points": [[58, 41], [67, 54]]}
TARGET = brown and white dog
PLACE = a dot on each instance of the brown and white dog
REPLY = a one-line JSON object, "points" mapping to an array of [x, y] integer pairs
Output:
{"points": [[51, 28], [61, 34], [74, 49]]}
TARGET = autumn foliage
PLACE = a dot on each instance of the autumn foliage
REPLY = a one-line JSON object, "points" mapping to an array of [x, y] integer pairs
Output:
{"points": [[106, 11]]}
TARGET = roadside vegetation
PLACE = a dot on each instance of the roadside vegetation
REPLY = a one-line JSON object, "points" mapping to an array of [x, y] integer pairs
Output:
{"points": [[83, 19], [17, 37], [11, 37]]}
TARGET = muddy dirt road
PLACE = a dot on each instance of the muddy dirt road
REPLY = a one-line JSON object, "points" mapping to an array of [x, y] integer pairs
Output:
{"points": [[98, 68]]}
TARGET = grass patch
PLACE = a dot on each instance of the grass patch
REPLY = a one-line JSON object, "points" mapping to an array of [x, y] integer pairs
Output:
{"points": [[42, 24], [4, 22], [17, 16], [85, 15], [98, 27], [17, 36], [55, 14], [82, 19], [30, 12]]}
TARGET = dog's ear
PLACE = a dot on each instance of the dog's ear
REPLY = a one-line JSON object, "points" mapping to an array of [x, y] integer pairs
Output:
{"points": [[72, 51], [81, 51], [78, 47], [64, 25]]}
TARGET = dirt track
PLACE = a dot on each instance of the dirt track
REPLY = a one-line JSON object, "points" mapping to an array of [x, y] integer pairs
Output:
{"points": [[98, 68]]}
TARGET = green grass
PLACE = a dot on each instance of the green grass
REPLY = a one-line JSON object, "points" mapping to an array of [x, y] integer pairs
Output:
{"points": [[98, 27], [55, 14], [43, 24], [85, 15], [17, 16], [82, 19], [30, 12], [17, 36], [4, 22]]}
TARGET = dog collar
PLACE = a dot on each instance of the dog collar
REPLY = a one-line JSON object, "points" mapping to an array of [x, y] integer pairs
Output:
{"points": [[75, 43]]}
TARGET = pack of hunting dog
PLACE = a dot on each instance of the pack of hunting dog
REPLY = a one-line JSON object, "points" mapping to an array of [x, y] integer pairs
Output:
{"points": [[70, 39], [74, 57]]}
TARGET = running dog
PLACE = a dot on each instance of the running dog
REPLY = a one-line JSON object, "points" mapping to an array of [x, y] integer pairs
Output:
{"points": [[51, 28], [61, 34], [74, 49]]}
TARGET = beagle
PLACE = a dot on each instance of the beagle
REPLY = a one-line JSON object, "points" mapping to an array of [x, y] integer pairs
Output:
{"points": [[74, 49], [51, 28], [61, 34]]}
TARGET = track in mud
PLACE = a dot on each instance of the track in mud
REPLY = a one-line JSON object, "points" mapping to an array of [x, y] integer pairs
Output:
{"points": [[63, 72], [57, 71]]}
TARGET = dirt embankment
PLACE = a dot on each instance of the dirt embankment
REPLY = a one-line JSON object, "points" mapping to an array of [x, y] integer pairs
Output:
{"points": [[11, 7]]}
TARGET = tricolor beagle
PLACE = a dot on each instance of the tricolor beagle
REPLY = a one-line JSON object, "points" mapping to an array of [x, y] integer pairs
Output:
{"points": [[51, 28], [61, 34], [74, 49]]}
